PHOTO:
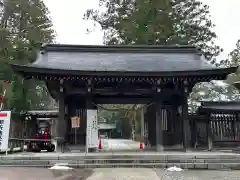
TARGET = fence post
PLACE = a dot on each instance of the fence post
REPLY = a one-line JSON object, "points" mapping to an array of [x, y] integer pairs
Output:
{"points": [[209, 132], [234, 120]]}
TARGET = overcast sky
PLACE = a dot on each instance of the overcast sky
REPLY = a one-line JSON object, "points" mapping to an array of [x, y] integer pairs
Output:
{"points": [[71, 29]]}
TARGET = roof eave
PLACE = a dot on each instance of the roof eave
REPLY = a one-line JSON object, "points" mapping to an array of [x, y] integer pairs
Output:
{"points": [[218, 106], [29, 71], [213, 103], [215, 110]]}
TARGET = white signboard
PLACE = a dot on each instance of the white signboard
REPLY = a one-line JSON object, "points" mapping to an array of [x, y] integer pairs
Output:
{"points": [[92, 129], [5, 117]]}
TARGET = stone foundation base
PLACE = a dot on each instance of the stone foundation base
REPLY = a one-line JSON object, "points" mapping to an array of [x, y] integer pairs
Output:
{"points": [[92, 149]]}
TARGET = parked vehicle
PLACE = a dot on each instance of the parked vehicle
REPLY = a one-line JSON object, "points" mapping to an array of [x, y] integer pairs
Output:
{"points": [[42, 140]]}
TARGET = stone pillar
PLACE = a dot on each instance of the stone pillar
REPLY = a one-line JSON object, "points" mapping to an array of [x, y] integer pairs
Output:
{"points": [[159, 128], [185, 121]]}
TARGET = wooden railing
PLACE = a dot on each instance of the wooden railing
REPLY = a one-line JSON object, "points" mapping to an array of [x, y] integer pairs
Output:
{"points": [[222, 130]]}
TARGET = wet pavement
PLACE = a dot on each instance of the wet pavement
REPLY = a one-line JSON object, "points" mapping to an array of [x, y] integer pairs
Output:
{"points": [[113, 174]]}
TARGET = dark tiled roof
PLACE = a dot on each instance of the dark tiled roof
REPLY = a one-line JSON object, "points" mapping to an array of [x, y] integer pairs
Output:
{"points": [[220, 106], [121, 58]]}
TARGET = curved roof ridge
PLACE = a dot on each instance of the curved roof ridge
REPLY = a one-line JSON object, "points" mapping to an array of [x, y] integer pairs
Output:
{"points": [[121, 48]]}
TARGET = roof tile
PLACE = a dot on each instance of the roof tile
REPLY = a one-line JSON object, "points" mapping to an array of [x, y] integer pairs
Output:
{"points": [[136, 61]]}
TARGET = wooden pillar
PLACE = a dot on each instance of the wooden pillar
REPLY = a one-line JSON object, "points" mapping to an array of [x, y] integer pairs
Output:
{"points": [[61, 124], [148, 142], [142, 122], [193, 126], [177, 141], [234, 121], [185, 121], [61, 120], [158, 117], [159, 128]]}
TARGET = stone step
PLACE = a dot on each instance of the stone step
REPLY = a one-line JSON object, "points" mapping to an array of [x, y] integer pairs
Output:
{"points": [[210, 166], [117, 161], [112, 161], [184, 160], [77, 156], [94, 161]]}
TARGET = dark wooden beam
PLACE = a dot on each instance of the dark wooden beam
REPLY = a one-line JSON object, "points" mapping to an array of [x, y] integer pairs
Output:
{"points": [[110, 91], [122, 100], [131, 77]]}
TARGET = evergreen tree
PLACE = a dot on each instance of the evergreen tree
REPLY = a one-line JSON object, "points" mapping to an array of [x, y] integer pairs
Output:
{"points": [[25, 24], [157, 22], [234, 60]]}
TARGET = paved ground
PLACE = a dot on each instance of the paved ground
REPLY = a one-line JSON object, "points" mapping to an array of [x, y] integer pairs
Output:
{"points": [[114, 174], [119, 144], [198, 175], [159, 174], [10, 173], [110, 145]]}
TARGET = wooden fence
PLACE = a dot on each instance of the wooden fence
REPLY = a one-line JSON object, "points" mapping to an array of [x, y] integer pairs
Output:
{"points": [[19, 130], [16, 133], [223, 129]]}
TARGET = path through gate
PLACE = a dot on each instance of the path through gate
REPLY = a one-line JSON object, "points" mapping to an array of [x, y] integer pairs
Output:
{"points": [[121, 127]]}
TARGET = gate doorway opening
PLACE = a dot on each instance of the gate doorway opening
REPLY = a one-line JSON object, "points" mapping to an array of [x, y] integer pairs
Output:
{"points": [[127, 121]]}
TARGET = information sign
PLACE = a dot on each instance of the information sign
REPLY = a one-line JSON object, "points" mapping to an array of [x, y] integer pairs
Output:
{"points": [[5, 117]]}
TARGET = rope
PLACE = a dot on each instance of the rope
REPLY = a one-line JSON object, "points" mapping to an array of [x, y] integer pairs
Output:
{"points": [[3, 96]]}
